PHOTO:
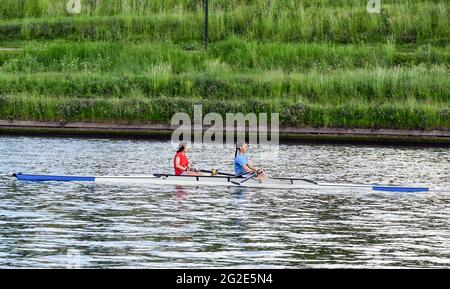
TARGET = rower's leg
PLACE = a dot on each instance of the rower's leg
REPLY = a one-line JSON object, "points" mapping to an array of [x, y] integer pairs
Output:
{"points": [[192, 173]]}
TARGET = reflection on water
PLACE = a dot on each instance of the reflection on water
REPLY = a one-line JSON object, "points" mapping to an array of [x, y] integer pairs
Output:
{"points": [[93, 225]]}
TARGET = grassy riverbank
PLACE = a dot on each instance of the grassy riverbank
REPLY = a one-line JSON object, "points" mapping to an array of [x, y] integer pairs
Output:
{"points": [[318, 63]]}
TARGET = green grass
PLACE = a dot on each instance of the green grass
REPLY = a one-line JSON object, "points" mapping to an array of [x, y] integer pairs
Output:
{"points": [[11, 9], [408, 23], [425, 84], [233, 54], [409, 115], [319, 63]]}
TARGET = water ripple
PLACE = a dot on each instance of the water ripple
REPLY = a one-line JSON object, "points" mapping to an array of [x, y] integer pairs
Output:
{"points": [[52, 225]]}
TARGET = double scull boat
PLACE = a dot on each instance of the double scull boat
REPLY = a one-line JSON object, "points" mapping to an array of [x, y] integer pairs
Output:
{"points": [[228, 181]]}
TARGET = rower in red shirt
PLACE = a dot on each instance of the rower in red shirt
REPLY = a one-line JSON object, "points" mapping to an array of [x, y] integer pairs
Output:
{"points": [[181, 162]]}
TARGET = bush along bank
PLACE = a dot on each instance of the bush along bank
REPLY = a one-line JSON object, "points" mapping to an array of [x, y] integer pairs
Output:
{"points": [[160, 110]]}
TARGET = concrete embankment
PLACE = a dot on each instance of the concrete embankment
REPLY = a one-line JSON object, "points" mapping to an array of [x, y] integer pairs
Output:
{"points": [[287, 134]]}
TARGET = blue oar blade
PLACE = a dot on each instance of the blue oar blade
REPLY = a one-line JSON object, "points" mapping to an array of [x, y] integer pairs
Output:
{"points": [[47, 178], [399, 189]]}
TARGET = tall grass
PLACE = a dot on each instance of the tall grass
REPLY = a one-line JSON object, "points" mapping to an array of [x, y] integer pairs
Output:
{"points": [[380, 85], [8, 55], [409, 115], [54, 8], [420, 23], [238, 55], [320, 63]]}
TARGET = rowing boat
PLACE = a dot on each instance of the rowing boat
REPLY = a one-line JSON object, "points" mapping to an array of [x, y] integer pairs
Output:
{"points": [[229, 181]]}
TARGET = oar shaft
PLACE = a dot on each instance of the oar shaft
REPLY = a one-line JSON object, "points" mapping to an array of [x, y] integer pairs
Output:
{"points": [[219, 173], [249, 177], [246, 179]]}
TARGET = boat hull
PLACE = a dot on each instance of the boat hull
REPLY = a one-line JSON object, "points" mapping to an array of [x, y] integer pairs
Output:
{"points": [[161, 179]]}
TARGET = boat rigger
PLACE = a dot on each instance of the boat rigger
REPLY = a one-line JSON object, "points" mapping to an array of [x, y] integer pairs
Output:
{"points": [[228, 181]]}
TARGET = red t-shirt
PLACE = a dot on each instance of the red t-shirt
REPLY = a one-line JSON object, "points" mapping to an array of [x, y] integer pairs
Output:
{"points": [[183, 162]]}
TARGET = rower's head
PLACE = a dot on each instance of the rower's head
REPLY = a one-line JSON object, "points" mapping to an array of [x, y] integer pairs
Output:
{"points": [[242, 147], [183, 146]]}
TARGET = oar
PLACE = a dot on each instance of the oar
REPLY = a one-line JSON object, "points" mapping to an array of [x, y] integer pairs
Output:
{"points": [[246, 179], [215, 172], [240, 175]]}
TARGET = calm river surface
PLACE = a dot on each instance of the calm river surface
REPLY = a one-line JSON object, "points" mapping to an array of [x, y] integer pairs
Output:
{"points": [[58, 225]]}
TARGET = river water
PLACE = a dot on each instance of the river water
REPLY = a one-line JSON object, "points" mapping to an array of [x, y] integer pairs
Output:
{"points": [[60, 225]]}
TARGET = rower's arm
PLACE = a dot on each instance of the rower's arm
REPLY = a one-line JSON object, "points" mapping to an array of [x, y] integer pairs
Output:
{"points": [[247, 169], [177, 164], [252, 167]]}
